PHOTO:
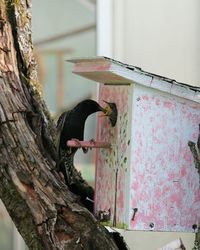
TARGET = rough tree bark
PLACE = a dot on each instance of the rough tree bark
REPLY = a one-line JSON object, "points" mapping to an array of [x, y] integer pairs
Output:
{"points": [[45, 212]]}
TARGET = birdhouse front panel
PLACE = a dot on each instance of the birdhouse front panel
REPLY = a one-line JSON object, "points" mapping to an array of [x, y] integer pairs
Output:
{"points": [[112, 165], [164, 182]]}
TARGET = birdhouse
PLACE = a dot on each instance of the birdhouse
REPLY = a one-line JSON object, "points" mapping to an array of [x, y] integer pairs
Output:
{"points": [[147, 179]]}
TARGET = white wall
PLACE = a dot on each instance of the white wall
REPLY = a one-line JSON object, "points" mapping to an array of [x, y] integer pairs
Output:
{"points": [[161, 36]]}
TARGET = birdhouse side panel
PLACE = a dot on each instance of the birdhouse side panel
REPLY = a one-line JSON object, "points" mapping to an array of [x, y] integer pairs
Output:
{"points": [[164, 182], [112, 164]]}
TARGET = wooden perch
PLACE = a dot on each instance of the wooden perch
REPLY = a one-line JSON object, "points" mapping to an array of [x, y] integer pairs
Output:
{"points": [[88, 144]]}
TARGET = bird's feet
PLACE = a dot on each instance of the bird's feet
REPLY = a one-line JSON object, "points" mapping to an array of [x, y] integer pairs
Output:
{"points": [[85, 149], [92, 141]]}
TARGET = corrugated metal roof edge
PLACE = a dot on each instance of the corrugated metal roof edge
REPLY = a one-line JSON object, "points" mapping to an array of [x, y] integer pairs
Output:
{"points": [[163, 78]]}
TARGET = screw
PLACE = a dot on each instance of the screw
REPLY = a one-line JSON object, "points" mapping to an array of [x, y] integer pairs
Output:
{"points": [[135, 209], [151, 225], [194, 227]]}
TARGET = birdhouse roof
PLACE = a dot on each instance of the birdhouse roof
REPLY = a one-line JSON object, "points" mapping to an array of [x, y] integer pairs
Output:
{"points": [[110, 71]]}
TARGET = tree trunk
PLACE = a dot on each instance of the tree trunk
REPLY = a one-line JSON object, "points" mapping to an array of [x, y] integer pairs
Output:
{"points": [[46, 213]]}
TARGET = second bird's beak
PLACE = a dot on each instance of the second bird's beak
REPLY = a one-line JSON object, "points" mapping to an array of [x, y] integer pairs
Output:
{"points": [[107, 110], [111, 111]]}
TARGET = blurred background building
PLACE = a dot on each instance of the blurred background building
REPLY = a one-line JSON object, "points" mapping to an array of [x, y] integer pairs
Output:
{"points": [[160, 36]]}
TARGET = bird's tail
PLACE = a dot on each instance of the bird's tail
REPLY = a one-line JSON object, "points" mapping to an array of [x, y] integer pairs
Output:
{"points": [[74, 180]]}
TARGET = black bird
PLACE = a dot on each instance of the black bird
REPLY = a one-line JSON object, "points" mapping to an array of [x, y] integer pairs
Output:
{"points": [[71, 125]]}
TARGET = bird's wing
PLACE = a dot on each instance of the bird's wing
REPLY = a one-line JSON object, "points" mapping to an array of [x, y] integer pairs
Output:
{"points": [[60, 124]]}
